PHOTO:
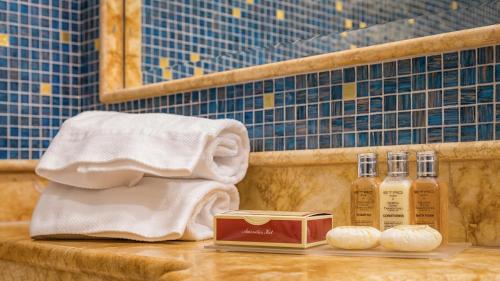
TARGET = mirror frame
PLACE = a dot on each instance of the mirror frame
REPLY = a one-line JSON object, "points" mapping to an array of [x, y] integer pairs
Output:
{"points": [[120, 77], [120, 46]]}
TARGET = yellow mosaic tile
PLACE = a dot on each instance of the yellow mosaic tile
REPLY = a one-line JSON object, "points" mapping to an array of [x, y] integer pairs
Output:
{"points": [[45, 89], [353, 46], [249, 2], [411, 21], [198, 71], [4, 40], [167, 74], [65, 37], [338, 6], [362, 24], [164, 63], [348, 24], [454, 5], [237, 13], [268, 100], [343, 34], [280, 14], [194, 57], [96, 44], [349, 91]]}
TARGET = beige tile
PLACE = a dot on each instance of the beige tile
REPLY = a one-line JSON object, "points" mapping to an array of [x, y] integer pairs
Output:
{"points": [[164, 63], [46, 89], [236, 13], [348, 24], [65, 37], [194, 57], [167, 74], [198, 71], [280, 14], [4, 40], [338, 6], [454, 5], [349, 91], [269, 100]]}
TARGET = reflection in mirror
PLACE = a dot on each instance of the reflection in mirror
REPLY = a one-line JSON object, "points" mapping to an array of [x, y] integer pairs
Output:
{"points": [[183, 39]]}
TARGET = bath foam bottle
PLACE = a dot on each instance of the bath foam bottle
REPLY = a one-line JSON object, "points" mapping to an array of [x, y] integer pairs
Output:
{"points": [[425, 192], [395, 192], [365, 192]]}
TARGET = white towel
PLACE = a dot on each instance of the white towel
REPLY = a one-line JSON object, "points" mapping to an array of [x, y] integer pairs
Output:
{"points": [[156, 209], [98, 149]]}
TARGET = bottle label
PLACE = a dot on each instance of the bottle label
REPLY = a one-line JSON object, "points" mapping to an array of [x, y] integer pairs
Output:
{"points": [[364, 204], [426, 204], [394, 209]]}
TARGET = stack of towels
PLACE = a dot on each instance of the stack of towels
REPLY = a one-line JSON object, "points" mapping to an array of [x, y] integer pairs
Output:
{"points": [[146, 177]]}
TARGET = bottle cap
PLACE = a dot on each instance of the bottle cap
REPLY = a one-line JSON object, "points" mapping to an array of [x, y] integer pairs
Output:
{"points": [[397, 164], [427, 164], [367, 165]]}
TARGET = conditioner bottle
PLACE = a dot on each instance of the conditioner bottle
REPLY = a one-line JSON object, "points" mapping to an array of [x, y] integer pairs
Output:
{"points": [[395, 192], [365, 192]]}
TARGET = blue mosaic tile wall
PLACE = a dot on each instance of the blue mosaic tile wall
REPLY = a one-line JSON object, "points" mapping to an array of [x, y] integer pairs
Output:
{"points": [[49, 72], [39, 73], [447, 97], [185, 38]]}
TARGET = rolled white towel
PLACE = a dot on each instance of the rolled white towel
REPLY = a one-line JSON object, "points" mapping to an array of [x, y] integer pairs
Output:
{"points": [[156, 209], [98, 149]]}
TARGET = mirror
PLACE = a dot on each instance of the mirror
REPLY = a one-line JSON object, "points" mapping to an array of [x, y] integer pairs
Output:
{"points": [[182, 39], [167, 40]]}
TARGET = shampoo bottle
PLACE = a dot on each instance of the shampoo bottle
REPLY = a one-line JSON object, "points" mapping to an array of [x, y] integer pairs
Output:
{"points": [[365, 192], [395, 192]]}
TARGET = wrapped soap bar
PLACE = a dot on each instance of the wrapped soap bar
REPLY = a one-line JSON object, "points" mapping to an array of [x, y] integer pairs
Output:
{"points": [[272, 228], [411, 238], [353, 237]]}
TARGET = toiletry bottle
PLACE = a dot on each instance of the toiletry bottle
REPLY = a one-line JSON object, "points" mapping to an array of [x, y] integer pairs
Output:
{"points": [[365, 192], [425, 192], [395, 192]]}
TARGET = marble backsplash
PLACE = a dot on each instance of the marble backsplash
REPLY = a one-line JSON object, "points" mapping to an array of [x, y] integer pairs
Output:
{"points": [[474, 194], [19, 192]]}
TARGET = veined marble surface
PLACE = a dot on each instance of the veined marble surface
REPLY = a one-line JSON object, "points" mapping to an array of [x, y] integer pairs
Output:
{"points": [[80, 259], [24, 259], [319, 180], [477, 150], [19, 194]]}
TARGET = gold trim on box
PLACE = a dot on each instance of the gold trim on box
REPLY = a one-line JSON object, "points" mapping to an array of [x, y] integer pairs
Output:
{"points": [[270, 244]]}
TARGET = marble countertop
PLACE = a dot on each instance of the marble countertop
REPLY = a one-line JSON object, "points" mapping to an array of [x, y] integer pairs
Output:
{"points": [[123, 260]]}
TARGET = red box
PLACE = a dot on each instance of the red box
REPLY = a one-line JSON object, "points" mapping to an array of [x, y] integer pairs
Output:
{"points": [[272, 228]]}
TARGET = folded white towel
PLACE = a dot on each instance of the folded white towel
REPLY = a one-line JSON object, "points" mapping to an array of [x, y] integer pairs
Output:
{"points": [[155, 209], [98, 149]]}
